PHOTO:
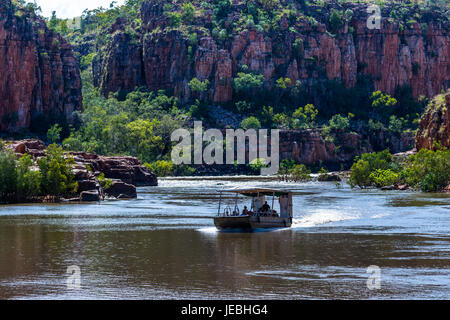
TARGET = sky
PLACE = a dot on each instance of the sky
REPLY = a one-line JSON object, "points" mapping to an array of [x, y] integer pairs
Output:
{"points": [[71, 8]]}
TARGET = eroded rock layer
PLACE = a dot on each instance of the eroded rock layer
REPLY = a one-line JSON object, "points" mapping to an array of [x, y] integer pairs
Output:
{"points": [[162, 57], [39, 76]]}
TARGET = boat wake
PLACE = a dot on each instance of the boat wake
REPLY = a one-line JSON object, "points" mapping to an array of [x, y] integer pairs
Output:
{"points": [[323, 216]]}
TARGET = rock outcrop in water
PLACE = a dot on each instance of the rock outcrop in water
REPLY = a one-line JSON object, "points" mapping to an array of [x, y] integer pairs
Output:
{"points": [[435, 124], [160, 56], [40, 78], [125, 173], [313, 148]]}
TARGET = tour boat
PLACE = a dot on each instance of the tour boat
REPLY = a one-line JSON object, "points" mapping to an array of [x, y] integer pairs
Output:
{"points": [[260, 215]]}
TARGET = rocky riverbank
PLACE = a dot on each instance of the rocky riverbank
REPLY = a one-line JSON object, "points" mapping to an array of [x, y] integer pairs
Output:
{"points": [[121, 174]]}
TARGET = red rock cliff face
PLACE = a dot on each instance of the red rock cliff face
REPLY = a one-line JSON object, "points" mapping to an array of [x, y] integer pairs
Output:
{"points": [[435, 124], [392, 56], [39, 73]]}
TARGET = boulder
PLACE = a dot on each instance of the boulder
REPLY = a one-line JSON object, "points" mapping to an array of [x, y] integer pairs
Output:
{"points": [[388, 188], [121, 190], [34, 147], [128, 169], [88, 185], [329, 177], [90, 196]]}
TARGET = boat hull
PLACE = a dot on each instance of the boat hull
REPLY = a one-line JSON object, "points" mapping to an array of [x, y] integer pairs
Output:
{"points": [[251, 222]]}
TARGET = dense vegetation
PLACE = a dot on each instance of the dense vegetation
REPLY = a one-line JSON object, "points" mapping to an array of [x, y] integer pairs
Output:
{"points": [[139, 123], [26, 180], [428, 170]]}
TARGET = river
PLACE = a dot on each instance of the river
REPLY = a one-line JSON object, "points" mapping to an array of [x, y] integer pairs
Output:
{"points": [[163, 245]]}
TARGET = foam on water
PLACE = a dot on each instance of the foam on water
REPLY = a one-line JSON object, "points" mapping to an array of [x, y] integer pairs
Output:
{"points": [[323, 216], [210, 230]]}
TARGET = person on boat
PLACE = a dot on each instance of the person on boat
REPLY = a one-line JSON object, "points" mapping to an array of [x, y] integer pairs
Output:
{"points": [[245, 211], [265, 208]]}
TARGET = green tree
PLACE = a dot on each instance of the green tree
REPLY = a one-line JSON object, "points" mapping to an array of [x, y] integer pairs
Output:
{"points": [[305, 117], [198, 86], [54, 133], [428, 170], [336, 21], [338, 122], [383, 106], [188, 12], [298, 173], [161, 168], [247, 81], [8, 176], [250, 123], [141, 141], [57, 178], [382, 178], [257, 164], [366, 164], [28, 180]]}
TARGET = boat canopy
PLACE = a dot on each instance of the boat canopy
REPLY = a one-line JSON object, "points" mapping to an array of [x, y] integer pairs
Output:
{"points": [[254, 191]]}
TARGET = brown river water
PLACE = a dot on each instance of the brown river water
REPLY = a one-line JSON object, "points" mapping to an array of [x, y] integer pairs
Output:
{"points": [[163, 245]]}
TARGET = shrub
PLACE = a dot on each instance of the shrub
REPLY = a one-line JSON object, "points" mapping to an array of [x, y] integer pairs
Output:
{"points": [[298, 48], [365, 165], [183, 170], [382, 178], [336, 21], [283, 83], [53, 134], [57, 178], [257, 164], [383, 105], [428, 170], [188, 12], [299, 173], [304, 117], [28, 181], [323, 174], [161, 168], [338, 122], [248, 81], [17, 181], [282, 120], [198, 86], [243, 106], [250, 123], [8, 177], [104, 182]]}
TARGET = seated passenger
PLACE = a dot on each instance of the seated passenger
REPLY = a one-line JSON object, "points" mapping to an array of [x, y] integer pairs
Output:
{"points": [[245, 211], [265, 208]]}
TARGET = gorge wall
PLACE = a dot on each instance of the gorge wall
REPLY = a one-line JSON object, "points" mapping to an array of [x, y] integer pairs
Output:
{"points": [[160, 56], [40, 77], [435, 124]]}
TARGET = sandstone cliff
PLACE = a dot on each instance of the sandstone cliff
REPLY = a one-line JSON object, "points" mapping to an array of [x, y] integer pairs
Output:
{"points": [[435, 124], [160, 56], [40, 77]]}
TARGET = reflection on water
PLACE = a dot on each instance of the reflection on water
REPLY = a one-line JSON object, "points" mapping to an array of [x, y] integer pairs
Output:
{"points": [[163, 246]]}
